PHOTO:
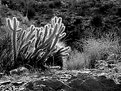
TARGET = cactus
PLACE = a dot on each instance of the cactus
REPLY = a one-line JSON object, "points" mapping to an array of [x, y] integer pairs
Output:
{"points": [[21, 39], [13, 26], [36, 43], [50, 34], [25, 40]]}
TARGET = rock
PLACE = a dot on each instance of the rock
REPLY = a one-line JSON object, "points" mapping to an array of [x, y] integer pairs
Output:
{"points": [[5, 82], [82, 82], [41, 87], [101, 64], [113, 58], [72, 77], [83, 76], [45, 88], [23, 71], [76, 84], [13, 72], [108, 84], [47, 85], [17, 83], [54, 84], [119, 79], [19, 71], [85, 85], [54, 68], [29, 86]]}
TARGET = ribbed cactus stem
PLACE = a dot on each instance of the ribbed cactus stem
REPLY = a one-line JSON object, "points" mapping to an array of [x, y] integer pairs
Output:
{"points": [[15, 45], [13, 26]]}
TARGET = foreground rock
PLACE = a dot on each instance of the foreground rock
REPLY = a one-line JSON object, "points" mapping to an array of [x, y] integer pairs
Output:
{"points": [[62, 81], [93, 84], [19, 71], [79, 82], [49, 85]]}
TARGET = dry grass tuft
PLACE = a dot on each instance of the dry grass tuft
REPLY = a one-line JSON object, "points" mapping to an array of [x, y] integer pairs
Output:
{"points": [[76, 60], [94, 49]]}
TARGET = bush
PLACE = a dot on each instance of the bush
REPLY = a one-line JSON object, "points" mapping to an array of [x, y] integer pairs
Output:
{"points": [[76, 60], [5, 53], [93, 50], [97, 49]]}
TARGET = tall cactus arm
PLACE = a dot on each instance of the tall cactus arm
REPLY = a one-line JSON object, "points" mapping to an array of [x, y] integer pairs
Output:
{"points": [[38, 36], [55, 21], [61, 29], [39, 30], [56, 24], [38, 41], [10, 24], [42, 45], [50, 38], [58, 36], [45, 32], [54, 43], [64, 51], [26, 49], [20, 40], [26, 36], [58, 29], [32, 30], [52, 29], [13, 25], [19, 35], [50, 32]]}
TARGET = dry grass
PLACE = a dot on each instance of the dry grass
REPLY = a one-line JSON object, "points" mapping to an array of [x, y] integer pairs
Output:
{"points": [[94, 49], [106, 44], [76, 60]]}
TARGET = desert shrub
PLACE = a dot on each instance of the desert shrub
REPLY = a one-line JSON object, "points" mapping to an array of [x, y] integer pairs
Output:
{"points": [[76, 60], [96, 49], [5, 53]]}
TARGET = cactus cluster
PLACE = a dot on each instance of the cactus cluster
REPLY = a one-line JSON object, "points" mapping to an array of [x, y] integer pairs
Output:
{"points": [[36, 43]]}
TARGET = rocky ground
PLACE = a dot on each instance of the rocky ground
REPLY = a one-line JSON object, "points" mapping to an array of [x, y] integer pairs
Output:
{"points": [[57, 80]]}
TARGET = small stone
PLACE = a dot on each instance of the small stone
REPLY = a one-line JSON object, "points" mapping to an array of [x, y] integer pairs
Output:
{"points": [[14, 72], [29, 86], [19, 71]]}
